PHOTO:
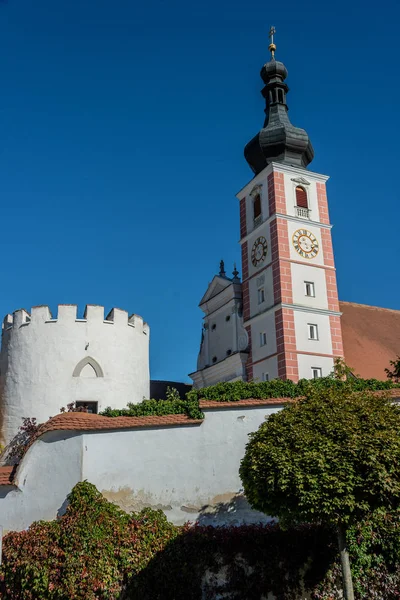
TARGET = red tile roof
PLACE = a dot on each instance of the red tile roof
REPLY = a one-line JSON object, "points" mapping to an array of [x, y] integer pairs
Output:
{"points": [[248, 403], [80, 421], [371, 338], [6, 474], [255, 402]]}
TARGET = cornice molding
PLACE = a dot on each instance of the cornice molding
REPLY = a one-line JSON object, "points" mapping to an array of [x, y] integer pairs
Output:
{"points": [[299, 171], [274, 166], [298, 307], [320, 311], [267, 221]]}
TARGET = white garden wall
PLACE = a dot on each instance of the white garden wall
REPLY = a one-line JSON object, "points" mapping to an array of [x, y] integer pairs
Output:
{"points": [[190, 471]]}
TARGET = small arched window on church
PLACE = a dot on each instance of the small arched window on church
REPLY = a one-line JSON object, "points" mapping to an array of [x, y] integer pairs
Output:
{"points": [[280, 96], [301, 202], [257, 209]]}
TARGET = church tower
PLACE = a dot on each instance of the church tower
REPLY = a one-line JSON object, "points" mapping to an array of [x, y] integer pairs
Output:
{"points": [[290, 300], [287, 316]]}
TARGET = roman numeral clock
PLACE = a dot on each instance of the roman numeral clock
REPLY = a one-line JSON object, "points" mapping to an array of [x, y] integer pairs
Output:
{"points": [[305, 243], [259, 251]]}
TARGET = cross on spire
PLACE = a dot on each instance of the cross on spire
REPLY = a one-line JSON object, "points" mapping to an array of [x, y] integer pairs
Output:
{"points": [[272, 46]]}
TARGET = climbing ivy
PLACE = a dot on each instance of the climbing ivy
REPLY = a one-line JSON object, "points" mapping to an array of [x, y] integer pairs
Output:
{"points": [[98, 552]]}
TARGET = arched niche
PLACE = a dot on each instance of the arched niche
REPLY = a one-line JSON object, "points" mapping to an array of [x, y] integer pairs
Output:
{"points": [[88, 367]]}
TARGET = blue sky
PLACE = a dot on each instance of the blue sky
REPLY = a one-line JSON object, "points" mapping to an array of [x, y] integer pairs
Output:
{"points": [[122, 128]]}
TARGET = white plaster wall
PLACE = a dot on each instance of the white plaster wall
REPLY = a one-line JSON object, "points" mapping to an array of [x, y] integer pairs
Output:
{"points": [[265, 280], [324, 343], [294, 226], [43, 353], [307, 362], [48, 472], [265, 322], [302, 273], [270, 366], [190, 472], [223, 337], [181, 469]]}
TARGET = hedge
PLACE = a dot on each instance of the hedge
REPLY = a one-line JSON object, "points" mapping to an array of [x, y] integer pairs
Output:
{"points": [[240, 390]]}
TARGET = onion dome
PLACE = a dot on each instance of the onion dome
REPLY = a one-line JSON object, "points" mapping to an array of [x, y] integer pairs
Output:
{"points": [[279, 140]]}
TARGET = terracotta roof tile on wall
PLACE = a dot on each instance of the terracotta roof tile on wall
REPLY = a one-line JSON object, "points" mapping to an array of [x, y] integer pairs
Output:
{"points": [[6, 474], [80, 421], [371, 338], [260, 402], [247, 403]]}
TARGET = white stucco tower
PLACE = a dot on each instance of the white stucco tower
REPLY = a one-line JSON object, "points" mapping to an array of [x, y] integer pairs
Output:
{"points": [[47, 363], [290, 299]]}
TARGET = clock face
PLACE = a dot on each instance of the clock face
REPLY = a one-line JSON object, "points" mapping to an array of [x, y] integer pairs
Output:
{"points": [[259, 251], [305, 243]]}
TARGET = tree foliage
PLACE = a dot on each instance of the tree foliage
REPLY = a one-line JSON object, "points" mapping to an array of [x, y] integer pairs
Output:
{"points": [[333, 457], [394, 372]]}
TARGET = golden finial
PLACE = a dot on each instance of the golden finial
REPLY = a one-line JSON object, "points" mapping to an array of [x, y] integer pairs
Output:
{"points": [[272, 46]]}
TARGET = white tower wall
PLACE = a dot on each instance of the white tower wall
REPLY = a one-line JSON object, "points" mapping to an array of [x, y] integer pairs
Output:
{"points": [[47, 363]]}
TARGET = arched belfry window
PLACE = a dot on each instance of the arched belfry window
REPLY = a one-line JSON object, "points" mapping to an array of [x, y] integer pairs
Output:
{"points": [[88, 367], [255, 195], [301, 197], [256, 206]]}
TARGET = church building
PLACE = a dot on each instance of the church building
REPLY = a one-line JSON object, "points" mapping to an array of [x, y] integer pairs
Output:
{"points": [[284, 318]]}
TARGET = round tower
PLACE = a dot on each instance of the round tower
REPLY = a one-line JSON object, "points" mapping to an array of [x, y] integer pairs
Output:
{"points": [[47, 363]]}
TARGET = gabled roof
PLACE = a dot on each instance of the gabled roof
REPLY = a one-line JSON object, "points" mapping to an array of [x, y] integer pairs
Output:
{"points": [[371, 338], [217, 285]]}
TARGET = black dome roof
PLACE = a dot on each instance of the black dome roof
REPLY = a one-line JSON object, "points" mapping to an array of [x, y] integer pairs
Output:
{"points": [[278, 140]]}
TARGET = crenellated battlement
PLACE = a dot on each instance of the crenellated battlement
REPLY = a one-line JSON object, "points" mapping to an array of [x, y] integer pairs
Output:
{"points": [[48, 360], [68, 314]]}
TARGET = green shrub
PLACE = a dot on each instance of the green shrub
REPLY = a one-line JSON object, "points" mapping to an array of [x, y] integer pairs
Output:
{"points": [[277, 388], [240, 390], [157, 407]]}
